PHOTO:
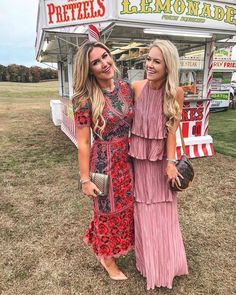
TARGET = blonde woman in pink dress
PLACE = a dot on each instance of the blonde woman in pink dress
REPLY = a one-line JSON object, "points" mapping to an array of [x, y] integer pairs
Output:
{"points": [[159, 248]]}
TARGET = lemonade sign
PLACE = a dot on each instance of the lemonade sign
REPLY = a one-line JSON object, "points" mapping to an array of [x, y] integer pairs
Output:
{"points": [[180, 12]]}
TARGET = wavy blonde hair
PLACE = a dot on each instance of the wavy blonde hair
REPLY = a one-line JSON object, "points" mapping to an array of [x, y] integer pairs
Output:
{"points": [[86, 87], [171, 57]]}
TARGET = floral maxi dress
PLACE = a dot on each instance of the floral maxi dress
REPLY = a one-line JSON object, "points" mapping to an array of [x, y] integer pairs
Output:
{"points": [[111, 231]]}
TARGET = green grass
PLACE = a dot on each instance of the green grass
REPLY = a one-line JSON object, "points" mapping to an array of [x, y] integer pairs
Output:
{"points": [[222, 127], [27, 91], [43, 216]]}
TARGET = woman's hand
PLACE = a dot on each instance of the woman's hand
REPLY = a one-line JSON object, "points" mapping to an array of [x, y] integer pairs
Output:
{"points": [[173, 174], [90, 189]]}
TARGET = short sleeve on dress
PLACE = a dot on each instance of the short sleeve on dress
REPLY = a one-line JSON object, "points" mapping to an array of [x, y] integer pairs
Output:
{"points": [[82, 115]]}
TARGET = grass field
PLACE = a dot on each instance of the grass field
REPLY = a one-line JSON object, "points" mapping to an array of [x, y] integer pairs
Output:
{"points": [[43, 217], [222, 128]]}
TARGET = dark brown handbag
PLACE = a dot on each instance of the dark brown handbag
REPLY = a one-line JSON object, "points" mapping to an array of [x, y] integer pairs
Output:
{"points": [[185, 168], [102, 182]]}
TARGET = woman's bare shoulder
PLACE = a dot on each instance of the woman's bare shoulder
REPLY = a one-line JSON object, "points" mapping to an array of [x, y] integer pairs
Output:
{"points": [[137, 87], [138, 84], [180, 91], [180, 96]]}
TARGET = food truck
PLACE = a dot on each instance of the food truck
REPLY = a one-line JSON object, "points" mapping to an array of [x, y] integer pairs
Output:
{"points": [[127, 27]]}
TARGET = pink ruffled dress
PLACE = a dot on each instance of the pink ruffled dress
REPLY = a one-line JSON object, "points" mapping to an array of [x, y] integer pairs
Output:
{"points": [[159, 248]]}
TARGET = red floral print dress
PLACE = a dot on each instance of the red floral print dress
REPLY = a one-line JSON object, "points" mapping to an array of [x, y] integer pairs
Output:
{"points": [[111, 232]]}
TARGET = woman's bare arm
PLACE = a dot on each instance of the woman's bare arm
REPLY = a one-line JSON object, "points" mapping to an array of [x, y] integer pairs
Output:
{"points": [[84, 145], [83, 137], [171, 139]]}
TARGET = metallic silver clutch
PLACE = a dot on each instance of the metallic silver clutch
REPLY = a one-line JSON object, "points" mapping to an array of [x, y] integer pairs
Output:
{"points": [[102, 182]]}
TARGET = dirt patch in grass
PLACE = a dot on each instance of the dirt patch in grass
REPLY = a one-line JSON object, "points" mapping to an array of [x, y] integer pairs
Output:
{"points": [[43, 217]]}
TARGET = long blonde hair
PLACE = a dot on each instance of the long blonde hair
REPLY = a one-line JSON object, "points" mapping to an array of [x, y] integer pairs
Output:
{"points": [[86, 87], [171, 57]]}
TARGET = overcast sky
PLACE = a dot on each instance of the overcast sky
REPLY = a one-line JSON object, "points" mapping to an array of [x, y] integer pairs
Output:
{"points": [[18, 32]]}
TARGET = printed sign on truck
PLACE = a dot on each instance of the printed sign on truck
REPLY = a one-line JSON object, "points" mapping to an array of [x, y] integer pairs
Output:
{"points": [[74, 12], [190, 13]]}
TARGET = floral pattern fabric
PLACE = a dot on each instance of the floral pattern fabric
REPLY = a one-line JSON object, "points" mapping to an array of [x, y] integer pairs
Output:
{"points": [[111, 232]]}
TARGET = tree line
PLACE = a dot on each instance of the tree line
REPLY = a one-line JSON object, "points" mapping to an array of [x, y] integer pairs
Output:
{"points": [[19, 73]]}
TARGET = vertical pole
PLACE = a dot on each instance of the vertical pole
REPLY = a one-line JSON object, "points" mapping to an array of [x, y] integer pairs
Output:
{"points": [[70, 72], [60, 78], [207, 79]]}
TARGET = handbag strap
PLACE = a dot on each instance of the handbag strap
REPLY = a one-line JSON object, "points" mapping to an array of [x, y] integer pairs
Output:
{"points": [[182, 140]]}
